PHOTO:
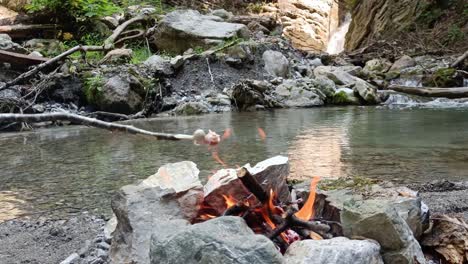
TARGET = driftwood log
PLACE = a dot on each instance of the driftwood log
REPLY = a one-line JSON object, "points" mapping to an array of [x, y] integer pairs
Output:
{"points": [[452, 93], [36, 118]]}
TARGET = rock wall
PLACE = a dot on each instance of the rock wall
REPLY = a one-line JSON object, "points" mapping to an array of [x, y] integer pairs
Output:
{"points": [[309, 24], [374, 19]]}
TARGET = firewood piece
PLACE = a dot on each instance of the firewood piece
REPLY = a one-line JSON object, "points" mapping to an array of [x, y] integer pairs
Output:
{"points": [[236, 209], [252, 185], [31, 118], [453, 93], [291, 221]]}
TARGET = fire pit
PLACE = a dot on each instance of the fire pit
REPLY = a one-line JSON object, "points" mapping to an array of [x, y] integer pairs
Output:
{"points": [[252, 215]]}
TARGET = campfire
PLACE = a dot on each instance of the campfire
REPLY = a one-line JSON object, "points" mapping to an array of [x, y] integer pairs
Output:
{"points": [[283, 219]]}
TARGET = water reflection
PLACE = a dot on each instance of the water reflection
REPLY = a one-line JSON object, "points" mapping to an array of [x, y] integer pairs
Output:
{"points": [[77, 167]]}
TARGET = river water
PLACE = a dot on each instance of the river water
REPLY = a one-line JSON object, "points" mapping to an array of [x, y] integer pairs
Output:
{"points": [[75, 168]]}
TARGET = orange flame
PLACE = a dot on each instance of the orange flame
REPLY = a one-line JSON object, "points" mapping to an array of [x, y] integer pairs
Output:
{"points": [[207, 216], [307, 211], [262, 134], [230, 201]]}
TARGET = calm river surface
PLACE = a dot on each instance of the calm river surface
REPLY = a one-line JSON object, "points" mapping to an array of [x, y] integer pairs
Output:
{"points": [[77, 168]]}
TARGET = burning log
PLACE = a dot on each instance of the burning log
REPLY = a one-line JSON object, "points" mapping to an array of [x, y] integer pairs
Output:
{"points": [[252, 184]]}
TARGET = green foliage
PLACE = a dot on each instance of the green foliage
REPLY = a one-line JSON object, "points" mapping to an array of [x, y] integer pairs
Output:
{"points": [[93, 88], [140, 54], [430, 16], [255, 7], [340, 98], [78, 9], [444, 77], [455, 33], [198, 50]]}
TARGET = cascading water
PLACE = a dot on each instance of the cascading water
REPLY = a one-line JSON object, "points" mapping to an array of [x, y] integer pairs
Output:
{"points": [[337, 40]]}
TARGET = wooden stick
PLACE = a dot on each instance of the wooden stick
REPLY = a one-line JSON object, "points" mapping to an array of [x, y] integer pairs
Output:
{"points": [[459, 60], [252, 185], [291, 221], [109, 42], [32, 118], [457, 92]]}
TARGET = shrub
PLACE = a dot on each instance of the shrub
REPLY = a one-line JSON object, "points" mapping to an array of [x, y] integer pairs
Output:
{"points": [[78, 9]]}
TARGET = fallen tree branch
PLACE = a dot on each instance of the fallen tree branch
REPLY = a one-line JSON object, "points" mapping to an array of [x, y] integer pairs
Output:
{"points": [[35, 118], [459, 60], [453, 93], [110, 41], [26, 30]]}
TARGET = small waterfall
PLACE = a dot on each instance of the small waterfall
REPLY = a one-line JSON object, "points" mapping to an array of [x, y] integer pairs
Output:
{"points": [[337, 40]]}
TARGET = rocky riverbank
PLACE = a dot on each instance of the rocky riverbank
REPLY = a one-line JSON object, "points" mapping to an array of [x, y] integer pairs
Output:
{"points": [[237, 62], [85, 239]]}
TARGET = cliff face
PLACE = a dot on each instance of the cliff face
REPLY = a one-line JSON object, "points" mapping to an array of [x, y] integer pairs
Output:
{"points": [[308, 24], [374, 19]]}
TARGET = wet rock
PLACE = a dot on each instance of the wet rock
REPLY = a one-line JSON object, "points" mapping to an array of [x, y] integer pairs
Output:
{"points": [[109, 228], [177, 62], [248, 93], [345, 96], [342, 76], [377, 66], [47, 47], [226, 15], [136, 10], [375, 220], [366, 91], [297, 93], [159, 64], [7, 44], [121, 94], [403, 63], [220, 240], [338, 250], [276, 64], [174, 192], [176, 32], [192, 108]]}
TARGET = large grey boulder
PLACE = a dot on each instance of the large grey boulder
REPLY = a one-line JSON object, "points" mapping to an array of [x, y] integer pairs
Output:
{"points": [[7, 44], [48, 47], [298, 93], [276, 64], [338, 250], [121, 94], [159, 64], [168, 198], [377, 66], [192, 108], [342, 76], [181, 30], [403, 63], [220, 240], [373, 219]]}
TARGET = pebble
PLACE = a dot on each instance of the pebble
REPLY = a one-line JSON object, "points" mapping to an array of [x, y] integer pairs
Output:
{"points": [[103, 245]]}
